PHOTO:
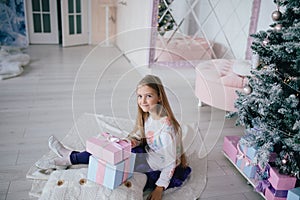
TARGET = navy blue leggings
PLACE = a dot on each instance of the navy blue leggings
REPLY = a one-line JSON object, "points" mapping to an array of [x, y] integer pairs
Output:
{"points": [[79, 157], [141, 165]]}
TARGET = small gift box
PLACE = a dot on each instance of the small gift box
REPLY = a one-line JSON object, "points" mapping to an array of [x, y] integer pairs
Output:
{"points": [[274, 185], [271, 194], [244, 157], [108, 148], [250, 152], [110, 176], [294, 194], [230, 146], [248, 169]]}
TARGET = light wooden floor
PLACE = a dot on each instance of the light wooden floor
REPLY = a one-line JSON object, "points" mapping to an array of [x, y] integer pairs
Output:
{"points": [[61, 83]]}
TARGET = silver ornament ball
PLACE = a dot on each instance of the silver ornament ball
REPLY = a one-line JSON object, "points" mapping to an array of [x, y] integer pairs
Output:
{"points": [[276, 15], [247, 89]]}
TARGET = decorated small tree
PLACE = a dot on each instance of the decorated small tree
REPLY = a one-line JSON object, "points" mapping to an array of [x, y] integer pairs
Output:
{"points": [[165, 18], [269, 106]]}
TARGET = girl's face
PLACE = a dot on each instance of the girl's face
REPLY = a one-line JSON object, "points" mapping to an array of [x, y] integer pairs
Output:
{"points": [[147, 98]]}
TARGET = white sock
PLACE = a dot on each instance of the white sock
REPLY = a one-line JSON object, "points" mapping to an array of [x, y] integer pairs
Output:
{"points": [[62, 161], [58, 148]]}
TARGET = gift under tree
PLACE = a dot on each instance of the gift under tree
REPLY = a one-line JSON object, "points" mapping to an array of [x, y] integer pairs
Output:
{"points": [[269, 106]]}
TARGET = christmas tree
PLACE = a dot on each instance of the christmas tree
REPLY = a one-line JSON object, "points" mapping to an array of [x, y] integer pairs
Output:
{"points": [[269, 106], [165, 19]]}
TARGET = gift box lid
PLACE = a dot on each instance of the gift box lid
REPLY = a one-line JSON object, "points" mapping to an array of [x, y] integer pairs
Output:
{"points": [[112, 151], [281, 181], [232, 139]]}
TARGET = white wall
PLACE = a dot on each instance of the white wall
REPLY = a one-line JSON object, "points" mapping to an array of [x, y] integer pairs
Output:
{"points": [[265, 15], [133, 31], [227, 24], [134, 22]]}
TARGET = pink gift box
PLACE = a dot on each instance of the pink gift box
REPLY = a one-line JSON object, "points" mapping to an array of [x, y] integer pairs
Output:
{"points": [[272, 157], [230, 147], [270, 196], [111, 151], [281, 181]]}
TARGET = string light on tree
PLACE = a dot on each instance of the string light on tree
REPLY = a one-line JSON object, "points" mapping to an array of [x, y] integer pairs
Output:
{"points": [[284, 161], [278, 27], [255, 60], [265, 42]]}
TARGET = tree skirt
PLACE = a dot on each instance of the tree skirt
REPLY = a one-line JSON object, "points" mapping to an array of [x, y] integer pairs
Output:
{"points": [[89, 125]]}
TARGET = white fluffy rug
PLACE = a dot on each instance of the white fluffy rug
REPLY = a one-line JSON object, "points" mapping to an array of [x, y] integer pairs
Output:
{"points": [[12, 60], [90, 125]]}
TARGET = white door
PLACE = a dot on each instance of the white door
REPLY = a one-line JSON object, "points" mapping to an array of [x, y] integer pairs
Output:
{"points": [[42, 21], [74, 22]]}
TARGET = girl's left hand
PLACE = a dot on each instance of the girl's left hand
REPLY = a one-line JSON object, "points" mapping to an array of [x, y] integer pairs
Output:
{"points": [[156, 194]]}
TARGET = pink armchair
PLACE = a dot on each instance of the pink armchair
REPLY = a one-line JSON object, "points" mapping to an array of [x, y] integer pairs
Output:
{"points": [[216, 83]]}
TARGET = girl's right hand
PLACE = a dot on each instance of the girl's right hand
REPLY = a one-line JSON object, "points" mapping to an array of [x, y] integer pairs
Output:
{"points": [[133, 143], [156, 194]]}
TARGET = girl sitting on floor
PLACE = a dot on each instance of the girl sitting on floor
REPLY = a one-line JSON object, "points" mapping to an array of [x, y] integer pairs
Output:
{"points": [[156, 140]]}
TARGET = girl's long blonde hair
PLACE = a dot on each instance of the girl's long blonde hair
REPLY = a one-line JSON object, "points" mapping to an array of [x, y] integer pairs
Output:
{"points": [[155, 83]]}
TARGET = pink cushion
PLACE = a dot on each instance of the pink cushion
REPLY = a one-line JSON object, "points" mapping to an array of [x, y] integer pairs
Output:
{"points": [[220, 70], [232, 80]]}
